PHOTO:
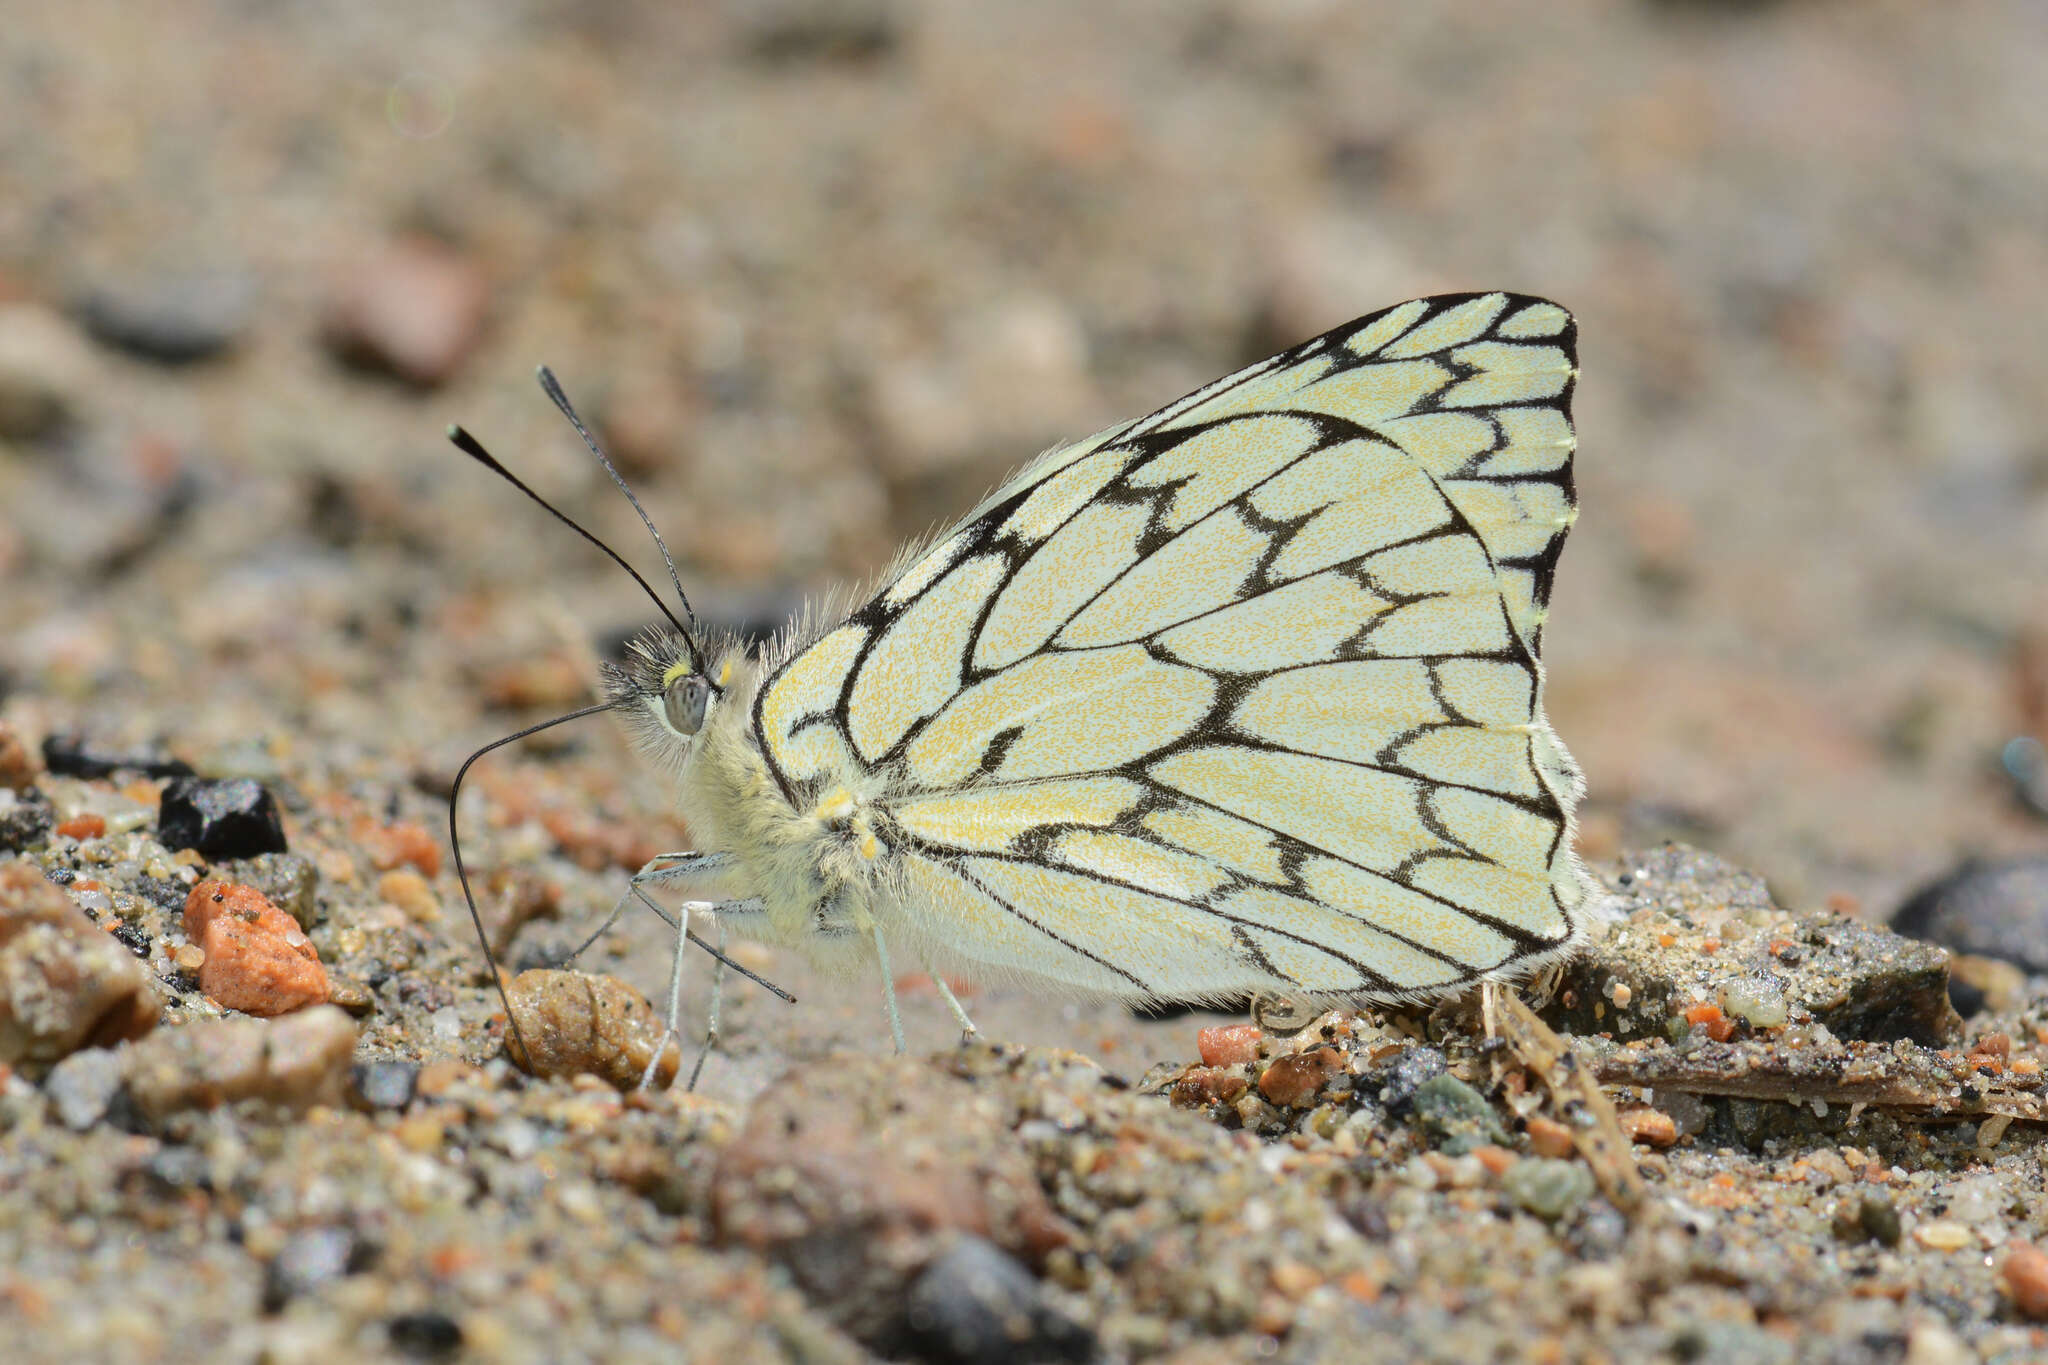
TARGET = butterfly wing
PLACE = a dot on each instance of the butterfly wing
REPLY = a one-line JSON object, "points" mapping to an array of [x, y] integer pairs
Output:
{"points": [[1243, 695]]}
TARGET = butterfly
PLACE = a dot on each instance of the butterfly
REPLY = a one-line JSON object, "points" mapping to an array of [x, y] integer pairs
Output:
{"points": [[1243, 696]]}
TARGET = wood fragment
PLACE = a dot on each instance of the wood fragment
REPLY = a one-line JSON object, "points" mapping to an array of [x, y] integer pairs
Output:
{"points": [[1575, 1092]]}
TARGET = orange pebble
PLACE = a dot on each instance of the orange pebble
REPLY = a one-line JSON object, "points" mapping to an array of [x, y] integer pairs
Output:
{"points": [[1548, 1137], [398, 844], [1293, 1082], [83, 827], [258, 960], [1228, 1045], [2025, 1273], [1652, 1127], [1710, 1020]]}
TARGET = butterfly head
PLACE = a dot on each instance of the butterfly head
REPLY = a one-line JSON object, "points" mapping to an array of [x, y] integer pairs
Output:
{"points": [[670, 687]]}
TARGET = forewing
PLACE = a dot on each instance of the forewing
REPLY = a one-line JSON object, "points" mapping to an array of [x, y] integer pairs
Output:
{"points": [[1244, 694]]}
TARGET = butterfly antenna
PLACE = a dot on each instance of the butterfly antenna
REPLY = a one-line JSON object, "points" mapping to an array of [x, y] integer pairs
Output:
{"points": [[552, 387], [462, 871], [470, 446]]}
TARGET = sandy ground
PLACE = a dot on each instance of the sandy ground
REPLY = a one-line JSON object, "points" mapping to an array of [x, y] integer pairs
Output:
{"points": [[824, 272]]}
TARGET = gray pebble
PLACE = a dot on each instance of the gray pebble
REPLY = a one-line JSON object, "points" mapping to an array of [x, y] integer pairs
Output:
{"points": [[1985, 909], [383, 1084], [173, 317], [1407, 1075], [1547, 1186], [83, 1085], [1454, 1116], [975, 1303], [309, 1259]]}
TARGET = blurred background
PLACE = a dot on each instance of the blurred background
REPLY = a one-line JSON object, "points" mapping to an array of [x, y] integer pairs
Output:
{"points": [[821, 272]]}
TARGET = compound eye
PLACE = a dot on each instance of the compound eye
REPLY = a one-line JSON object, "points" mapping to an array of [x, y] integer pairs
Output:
{"points": [[685, 702]]}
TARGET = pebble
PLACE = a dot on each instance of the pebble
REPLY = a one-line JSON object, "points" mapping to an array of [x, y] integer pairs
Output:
{"points": [[1454, 1116], [81, 827], [18, 766], [1976, 1198], [1229, 1045], [1198, 1087], [295, 1062], [1759, 1001], [409, 891], [1294, 1081], [414, 311], [235, 818], [1878, 1217], [83, 1085], [26, 818], [1409, 1072], [426, 1335], [75, 755], [1651, 1127], [385, 1083], [64, 982], [580, 1024], [406, 842], [1944, 1234], [1997, 910], [1548, 1137], [2025, 1272], [1548, 1187], [174, 316], [310, 1258], [975, 1302], [47, 372], [793, 31], [258, 960]]}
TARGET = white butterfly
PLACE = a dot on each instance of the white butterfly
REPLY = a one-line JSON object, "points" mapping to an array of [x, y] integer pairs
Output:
{"points": [[1242, 696]]}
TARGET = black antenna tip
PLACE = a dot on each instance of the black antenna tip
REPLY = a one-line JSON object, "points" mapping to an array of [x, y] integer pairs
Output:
{"points": [[454, 432]]}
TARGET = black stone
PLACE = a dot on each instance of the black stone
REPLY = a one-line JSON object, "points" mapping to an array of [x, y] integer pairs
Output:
{"points": [[133, 937], [1986, 910], [1879, 1218], [163, 892], [975, 1303], [76, 756], [425, 1335], [236, 818], [27, 822]]}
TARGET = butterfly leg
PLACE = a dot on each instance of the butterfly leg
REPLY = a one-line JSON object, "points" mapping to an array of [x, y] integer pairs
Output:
{"points": [[675, 998], [722, 913], [888, 986], [711, 1023], [665, 867], [968, 1032]]}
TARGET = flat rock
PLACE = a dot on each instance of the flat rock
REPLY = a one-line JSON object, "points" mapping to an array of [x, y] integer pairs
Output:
{"points": [[1697, 933]]}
